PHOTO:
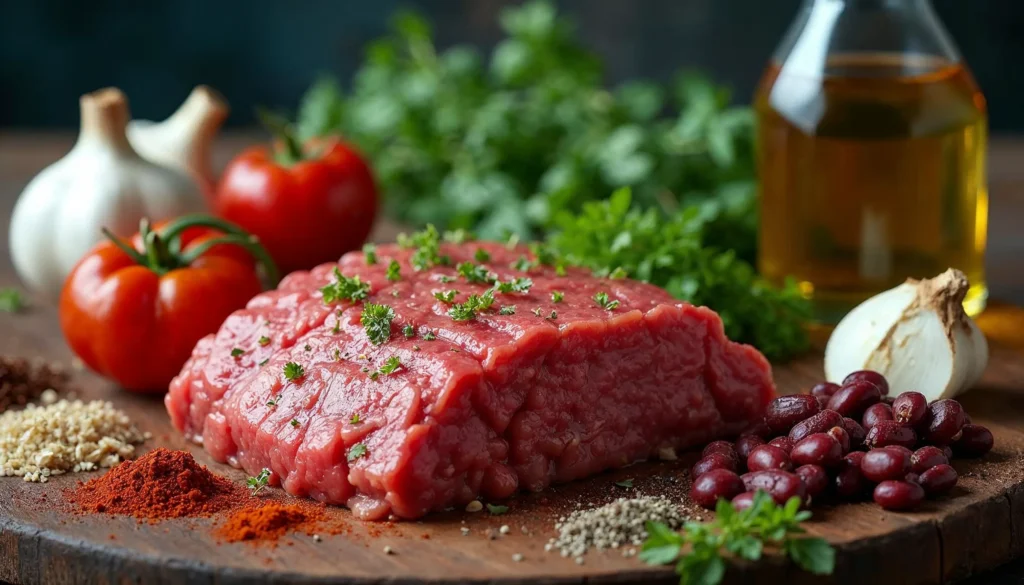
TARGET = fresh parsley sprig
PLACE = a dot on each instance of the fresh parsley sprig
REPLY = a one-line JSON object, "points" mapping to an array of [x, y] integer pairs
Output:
{"points": [[344, 288], [700, 550], [376, 320], [257, 483]]}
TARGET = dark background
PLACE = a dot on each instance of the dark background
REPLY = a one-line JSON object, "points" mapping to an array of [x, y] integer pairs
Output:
{"points": [[267, 52]]}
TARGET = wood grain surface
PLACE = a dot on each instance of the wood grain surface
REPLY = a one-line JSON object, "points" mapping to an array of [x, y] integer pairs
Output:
{"points": [[43, 541]]}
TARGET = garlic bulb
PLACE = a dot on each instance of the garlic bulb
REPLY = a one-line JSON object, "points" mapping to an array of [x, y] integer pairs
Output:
{"points": [[101, 182], [916, 335], [183, 140]]}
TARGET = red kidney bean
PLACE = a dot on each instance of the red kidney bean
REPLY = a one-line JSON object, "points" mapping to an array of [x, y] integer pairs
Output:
{"points": [[910, 408], [850, 483], [714, 460], [815, 479], [945, 418], [839, 434], [938, 480], [947, 450], [927, 457], [768, 457], [853, 399], [869, 376], [879, 465], [758, 429], [780, 485], [824, 389], [898, 495], [784, 443], [723, 447], [975, 441], [744, 445], [875, 413], [967, 419], [817, 449], [743, 501], [819, 423], [786, 411], [890, 432], [855, 432], [903, 450], [715, 484], [822, 402], [888, 400], [912, 477]]}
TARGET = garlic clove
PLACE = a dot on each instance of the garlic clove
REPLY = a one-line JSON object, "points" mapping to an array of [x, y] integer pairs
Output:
{"points": [[916, 335], [183, 141]]}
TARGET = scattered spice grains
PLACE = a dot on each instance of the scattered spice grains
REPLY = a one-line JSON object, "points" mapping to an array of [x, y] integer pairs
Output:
{"points": [[41, 441], [267, 522], [22, 381], [160, 484], [619, 523]]}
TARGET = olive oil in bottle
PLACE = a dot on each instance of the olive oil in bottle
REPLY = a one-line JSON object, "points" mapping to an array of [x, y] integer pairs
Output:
{"points": [[871, 164]]}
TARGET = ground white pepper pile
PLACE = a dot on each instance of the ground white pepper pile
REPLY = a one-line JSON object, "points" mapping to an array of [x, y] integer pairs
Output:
{"points": [[614, 525], [64, 436]]}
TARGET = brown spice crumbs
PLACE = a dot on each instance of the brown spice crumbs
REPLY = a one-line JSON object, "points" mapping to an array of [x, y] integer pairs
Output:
{"points": [[22, 381]]}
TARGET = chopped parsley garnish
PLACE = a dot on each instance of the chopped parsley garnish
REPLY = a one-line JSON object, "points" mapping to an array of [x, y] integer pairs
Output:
{"points": [[257, 483], [557, 296], [518, 284], [345, 288], [264, 341], [358, 450], [370, 251], [394, 271], [459, 236], [553, 315], [602, 301], [524, 264], [428, 245], [475, 273], [445, 279], [429, 336], [295, 423], [272, 402], [618, 274], [294, 371], [264, 362], [467, 311], [11, 300], [337, 355], [560, 270], [409, 331], [395, 293], [237, 352], [446, 296], [495, 510], [307, 347], [390, 365], [482, 255], [415, 348], [376, 320], [538, 312], [355, 419], [508, 310]]}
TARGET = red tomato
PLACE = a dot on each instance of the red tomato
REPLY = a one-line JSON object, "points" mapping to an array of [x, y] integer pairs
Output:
{"points": [[307, 212], [136, 317]]}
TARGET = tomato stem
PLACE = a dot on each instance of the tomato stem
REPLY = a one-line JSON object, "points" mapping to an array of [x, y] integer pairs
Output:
{"points": [[283, 131], [162, 250]]}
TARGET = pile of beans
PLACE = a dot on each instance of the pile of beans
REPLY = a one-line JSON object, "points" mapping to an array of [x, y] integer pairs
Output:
{"points": [[812, 446]]}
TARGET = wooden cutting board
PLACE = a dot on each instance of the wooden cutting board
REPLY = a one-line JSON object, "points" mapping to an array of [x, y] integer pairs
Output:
{"points": [[979, 528]]}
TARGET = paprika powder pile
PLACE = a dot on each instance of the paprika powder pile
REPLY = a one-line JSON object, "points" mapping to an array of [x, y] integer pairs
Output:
{"points": [[160, 484], [268, 522]]}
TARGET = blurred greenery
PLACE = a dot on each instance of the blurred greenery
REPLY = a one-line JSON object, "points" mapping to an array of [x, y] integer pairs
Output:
{"points": [[528, 141]]}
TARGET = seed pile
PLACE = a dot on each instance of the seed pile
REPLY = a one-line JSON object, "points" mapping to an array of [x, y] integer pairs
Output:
{"points": [[62, 437], [21, 381], [619, 523]]}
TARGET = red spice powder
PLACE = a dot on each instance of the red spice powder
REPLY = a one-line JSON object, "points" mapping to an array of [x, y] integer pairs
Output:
{"points": [[268, 522], [160, 484]]}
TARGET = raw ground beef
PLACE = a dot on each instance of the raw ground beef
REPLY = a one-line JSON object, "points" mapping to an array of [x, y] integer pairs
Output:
{"points": [[493, 405]]}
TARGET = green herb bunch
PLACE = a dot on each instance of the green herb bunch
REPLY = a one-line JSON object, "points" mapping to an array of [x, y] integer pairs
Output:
{"points": [[679, 253], [700, 550], [502, 143]]}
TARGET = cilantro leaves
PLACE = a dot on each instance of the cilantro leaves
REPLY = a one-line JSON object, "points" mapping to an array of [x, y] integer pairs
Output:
{"points": [[698, 550]]}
